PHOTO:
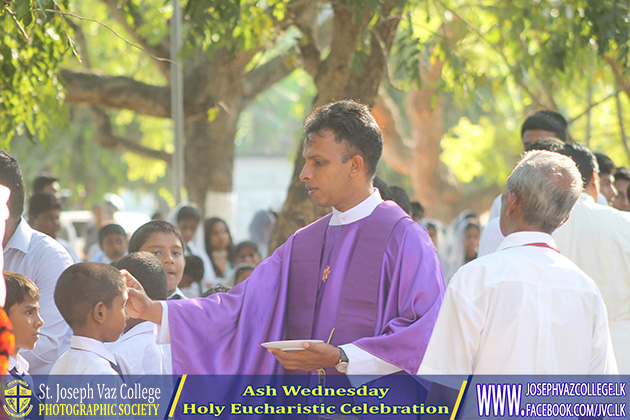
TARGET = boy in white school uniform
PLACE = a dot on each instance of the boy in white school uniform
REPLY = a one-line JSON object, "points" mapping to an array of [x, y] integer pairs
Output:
{"points": [[22, 308], [91, 297], [136, 350]]}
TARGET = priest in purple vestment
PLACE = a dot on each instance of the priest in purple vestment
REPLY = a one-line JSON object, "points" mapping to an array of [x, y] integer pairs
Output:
{"points": [[366, 271]]}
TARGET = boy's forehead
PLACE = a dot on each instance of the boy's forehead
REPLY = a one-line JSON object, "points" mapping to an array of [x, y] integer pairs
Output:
{"points": [[115, 235], [29, 300]]}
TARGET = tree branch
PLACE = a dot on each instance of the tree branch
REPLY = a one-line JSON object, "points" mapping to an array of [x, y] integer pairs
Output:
{"points": [[482, 37], [622, 130], [117, 92], [162, 50], [126, 93], [305, 18], [590, 107], [83, 49], [107, 139], [72, 15], [396, 152], [263, 77]]}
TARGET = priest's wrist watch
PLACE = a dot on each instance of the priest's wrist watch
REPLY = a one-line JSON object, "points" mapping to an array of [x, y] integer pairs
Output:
{"points": [[342, 364]]}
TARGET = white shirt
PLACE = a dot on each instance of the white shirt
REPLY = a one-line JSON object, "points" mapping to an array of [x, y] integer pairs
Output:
{"points": [[360, 361], [70, 249], [42, 259], [177, 292], [137, 352], [19, 363], [521, 310], [597, 239], [86, 356]]}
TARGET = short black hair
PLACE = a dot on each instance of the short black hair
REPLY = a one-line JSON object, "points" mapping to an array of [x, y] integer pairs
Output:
{"points": [[622, 174], [401, 198], [548, 121], [148, 270], [141, 235], [40, 182], [417, 209], [606, 165], [18, 288], [110, 229], [352, 123], [194, 268], [81, 286], [188, 213], [382, 188], [11, 177], [549, 144], [41, 203], [584, 160]]}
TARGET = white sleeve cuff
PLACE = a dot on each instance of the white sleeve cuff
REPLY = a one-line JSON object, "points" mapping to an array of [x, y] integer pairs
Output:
{"points": [[360, 362], [163, 331]]}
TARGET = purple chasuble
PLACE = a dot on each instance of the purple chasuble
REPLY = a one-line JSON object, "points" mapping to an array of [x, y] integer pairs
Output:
{"points": [[382, 293]]}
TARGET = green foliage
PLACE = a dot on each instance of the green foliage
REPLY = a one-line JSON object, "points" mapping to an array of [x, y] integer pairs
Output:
{"points": [[32, 44], [504, 59], [234, 25], [478, 151]]}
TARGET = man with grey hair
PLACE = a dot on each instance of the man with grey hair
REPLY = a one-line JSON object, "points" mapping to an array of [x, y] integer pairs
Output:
{"points": [[525, 309]]}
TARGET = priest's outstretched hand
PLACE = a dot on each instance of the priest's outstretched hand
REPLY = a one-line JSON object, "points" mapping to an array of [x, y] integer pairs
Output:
{"points": [[315, 356], [139, 305]]}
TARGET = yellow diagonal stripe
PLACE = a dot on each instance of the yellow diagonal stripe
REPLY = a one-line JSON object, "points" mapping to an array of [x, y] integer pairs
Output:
{"points": [[459, 399], [179, 391]]}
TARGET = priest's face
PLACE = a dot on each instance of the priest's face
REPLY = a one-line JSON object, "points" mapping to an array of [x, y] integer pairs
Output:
{"points": [[325, 174]]}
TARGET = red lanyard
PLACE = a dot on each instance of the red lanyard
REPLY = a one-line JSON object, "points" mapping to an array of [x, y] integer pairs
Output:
{"points": [[542, 245]]}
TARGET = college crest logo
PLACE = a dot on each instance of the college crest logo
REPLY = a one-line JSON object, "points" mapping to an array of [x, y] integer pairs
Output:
{"points": [[17, 398]]}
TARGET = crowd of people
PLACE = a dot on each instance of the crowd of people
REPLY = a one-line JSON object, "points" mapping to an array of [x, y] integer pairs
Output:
{"points": [[544, 288]]}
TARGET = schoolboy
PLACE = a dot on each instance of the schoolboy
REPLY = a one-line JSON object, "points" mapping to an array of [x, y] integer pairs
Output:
{"points": [[163, 240], [136, 351], [91, 297], [22, 307], [112, 239]]}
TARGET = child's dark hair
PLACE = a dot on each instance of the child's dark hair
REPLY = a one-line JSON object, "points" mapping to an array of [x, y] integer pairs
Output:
{"points": [[41, 203], [245, 244], [216, 289], [81, 286], [18, 288], [188, 213], [141, 235], [207, 228], [194, 268], [111, 229], [148, 270]]}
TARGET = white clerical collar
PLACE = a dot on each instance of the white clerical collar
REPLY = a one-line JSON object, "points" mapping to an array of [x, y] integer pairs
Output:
{"points": [[524, 238], [358, 212]]}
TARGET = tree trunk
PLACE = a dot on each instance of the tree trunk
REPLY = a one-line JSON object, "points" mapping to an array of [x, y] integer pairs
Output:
{"points": [[336, 80]]}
